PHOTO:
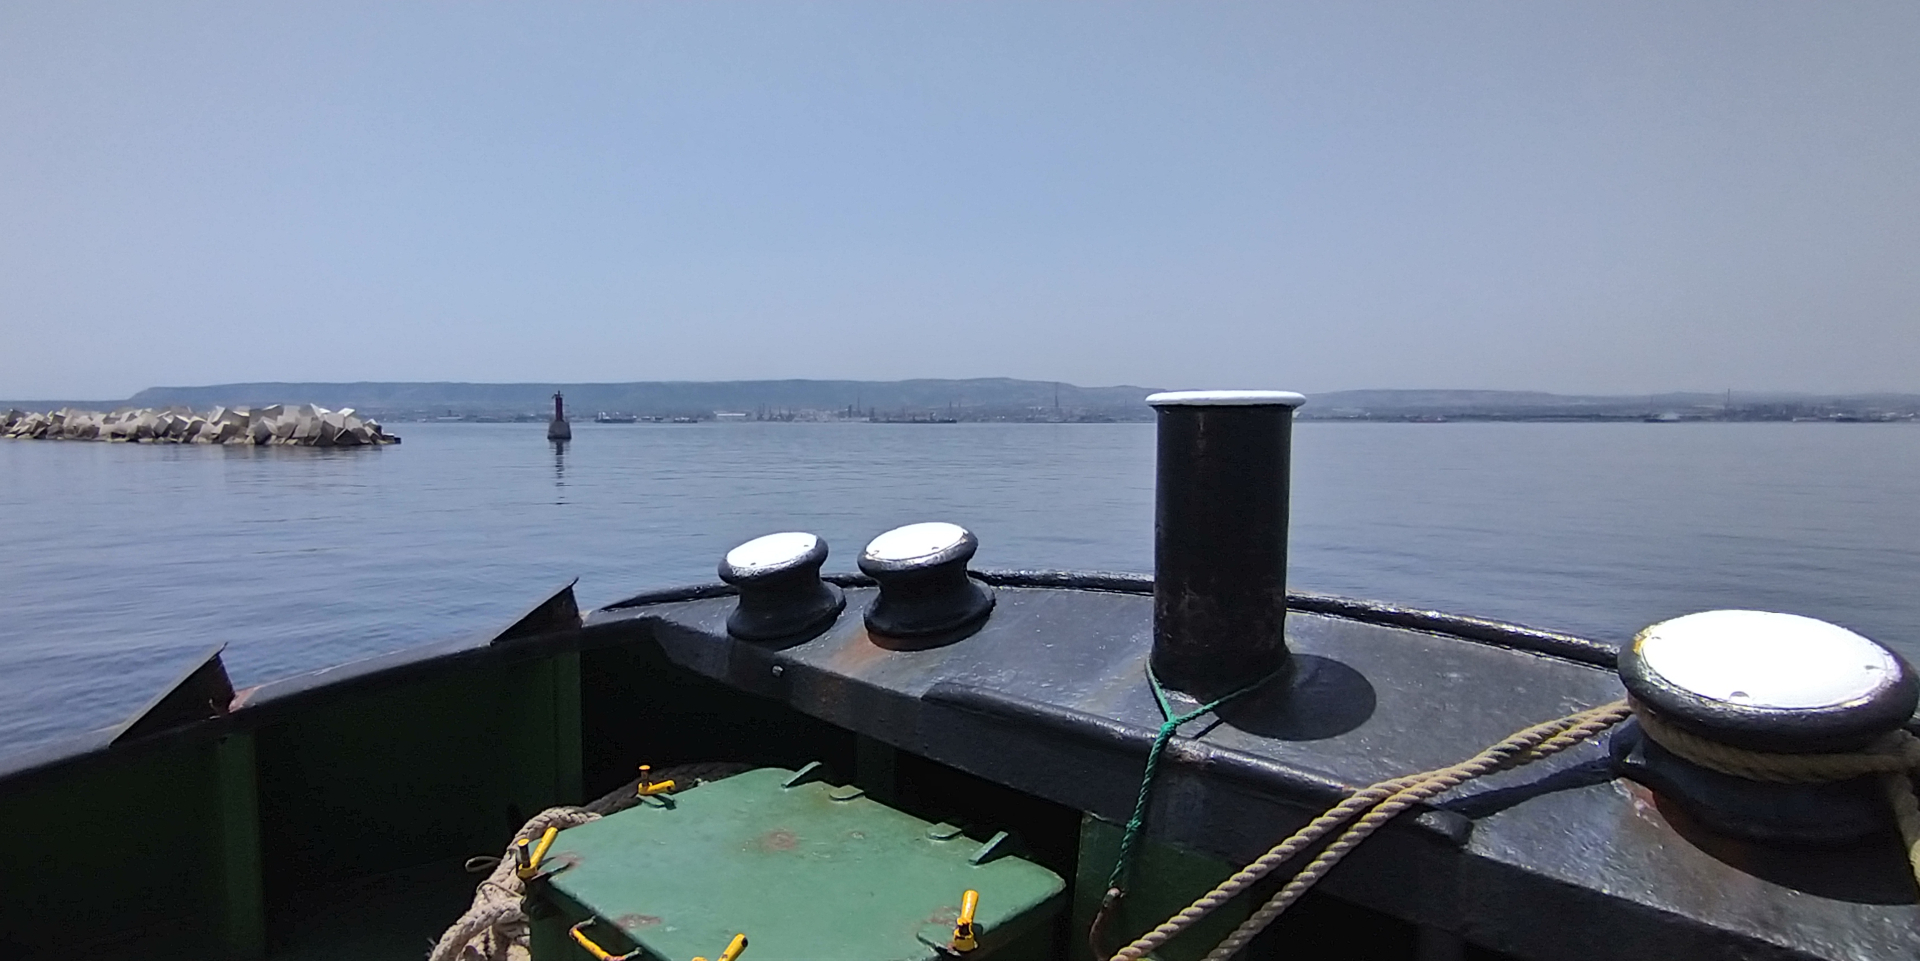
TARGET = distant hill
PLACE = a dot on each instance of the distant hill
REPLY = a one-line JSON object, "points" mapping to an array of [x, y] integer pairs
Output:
{"points": [[1535, 405], [47, 405], [668, 397], [985, 398]]}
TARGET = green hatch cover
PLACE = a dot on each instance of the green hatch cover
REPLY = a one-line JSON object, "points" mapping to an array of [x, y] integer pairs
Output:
{"points": [[806, 872]]}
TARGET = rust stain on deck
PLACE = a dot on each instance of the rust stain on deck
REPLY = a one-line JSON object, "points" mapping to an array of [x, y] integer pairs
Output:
{"points": [[779, 840]]}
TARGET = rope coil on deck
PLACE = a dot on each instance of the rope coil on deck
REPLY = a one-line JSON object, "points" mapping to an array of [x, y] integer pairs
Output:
{"points": [[1895, 759], [495, 927]]}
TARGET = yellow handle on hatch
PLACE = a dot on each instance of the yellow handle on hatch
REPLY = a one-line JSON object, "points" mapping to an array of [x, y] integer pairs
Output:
{"points": [[966, 936], [599, 953], [530, 862], [734, 947]]}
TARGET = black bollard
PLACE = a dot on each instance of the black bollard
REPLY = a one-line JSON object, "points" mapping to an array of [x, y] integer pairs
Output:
{"points": [[1220, 538]]}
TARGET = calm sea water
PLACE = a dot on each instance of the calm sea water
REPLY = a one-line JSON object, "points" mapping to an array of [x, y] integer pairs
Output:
{"points": [[121, 562]]}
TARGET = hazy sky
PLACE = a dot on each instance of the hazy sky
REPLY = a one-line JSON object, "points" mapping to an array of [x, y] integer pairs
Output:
{"points": [[1605, 197]]}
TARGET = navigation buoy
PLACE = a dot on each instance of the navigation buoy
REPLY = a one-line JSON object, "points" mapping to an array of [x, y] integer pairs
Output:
{"points": [[558, 428]]}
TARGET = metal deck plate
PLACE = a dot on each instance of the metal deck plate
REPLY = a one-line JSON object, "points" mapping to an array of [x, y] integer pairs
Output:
{"points": [[802, 874]]}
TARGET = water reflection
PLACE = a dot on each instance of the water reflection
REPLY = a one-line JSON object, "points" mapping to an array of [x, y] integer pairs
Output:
{"points": [[559, 471]]}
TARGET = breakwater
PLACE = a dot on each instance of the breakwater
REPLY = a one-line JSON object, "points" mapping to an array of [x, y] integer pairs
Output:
{"points": [[293, 425]]}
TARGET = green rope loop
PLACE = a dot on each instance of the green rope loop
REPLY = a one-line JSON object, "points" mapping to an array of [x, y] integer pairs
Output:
{"points": [[1136, 826]]}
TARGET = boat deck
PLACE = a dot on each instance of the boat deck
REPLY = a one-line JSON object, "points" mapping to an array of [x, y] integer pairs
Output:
{"points": [[329, 815]]}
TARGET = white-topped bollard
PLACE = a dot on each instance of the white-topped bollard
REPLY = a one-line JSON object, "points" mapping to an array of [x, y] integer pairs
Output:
{"points": [[924, 588], [1769, 682], [1768, 726], [781, 593]]}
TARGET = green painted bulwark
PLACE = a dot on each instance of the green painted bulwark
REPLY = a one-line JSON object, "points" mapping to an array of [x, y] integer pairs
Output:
{"points": [[440, 768], [188, 845], [127, 856], [567, 733], [1166, 879], [242, 895]]}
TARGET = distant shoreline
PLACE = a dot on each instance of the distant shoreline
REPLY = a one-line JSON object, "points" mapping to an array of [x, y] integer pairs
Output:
{"points": [[1401, 419], [988, 400]]}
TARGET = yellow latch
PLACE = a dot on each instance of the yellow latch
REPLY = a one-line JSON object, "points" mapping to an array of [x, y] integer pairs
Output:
{"points": [[599, 953], [529, 862], [966, 936], [648, 786], [734, 947]]}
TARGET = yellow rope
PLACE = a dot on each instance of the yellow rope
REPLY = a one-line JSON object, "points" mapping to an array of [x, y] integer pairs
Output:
{"points": [[1906, 813], [1893, 759], [1379, 803], [1899, 751]]}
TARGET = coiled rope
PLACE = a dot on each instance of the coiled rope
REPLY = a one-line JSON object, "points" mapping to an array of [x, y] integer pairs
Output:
{"points": [[1894, 758], [495, 927]]}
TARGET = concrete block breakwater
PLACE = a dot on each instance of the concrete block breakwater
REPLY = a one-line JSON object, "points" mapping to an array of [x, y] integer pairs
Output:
{"points": [[303, 425]]}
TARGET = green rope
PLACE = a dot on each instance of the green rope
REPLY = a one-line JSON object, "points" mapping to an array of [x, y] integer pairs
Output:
{"points": [[1138, 824]]}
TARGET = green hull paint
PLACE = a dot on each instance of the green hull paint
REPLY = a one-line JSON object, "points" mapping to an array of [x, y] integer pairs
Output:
{"points": [[223, 847], [244, 920], [130, 856]]}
